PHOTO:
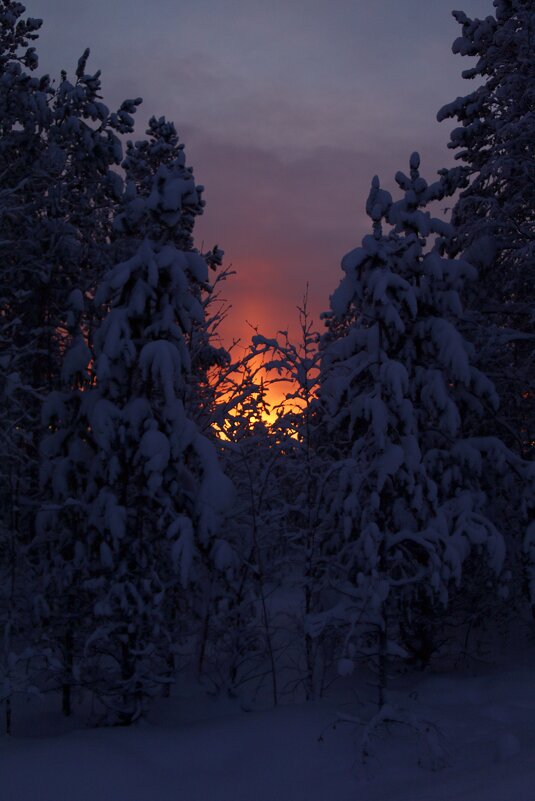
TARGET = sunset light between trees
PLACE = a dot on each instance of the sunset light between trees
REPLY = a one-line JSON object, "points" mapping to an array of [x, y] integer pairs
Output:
{"points": [[244, 503]]}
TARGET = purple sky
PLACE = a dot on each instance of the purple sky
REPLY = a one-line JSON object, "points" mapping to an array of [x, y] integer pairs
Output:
{"points": [[287, 108]]}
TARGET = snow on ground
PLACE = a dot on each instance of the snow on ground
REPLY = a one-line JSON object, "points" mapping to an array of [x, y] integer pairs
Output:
{"points": [[198, 749]]}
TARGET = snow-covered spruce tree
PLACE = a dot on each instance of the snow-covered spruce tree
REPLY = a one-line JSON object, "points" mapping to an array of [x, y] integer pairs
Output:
{"points": [[155, 490], [58, 147], [80, 190], [494, 215], [142, 162], [23, 114], [57, 191], [414, 497], [67, 455], [84, 188]]}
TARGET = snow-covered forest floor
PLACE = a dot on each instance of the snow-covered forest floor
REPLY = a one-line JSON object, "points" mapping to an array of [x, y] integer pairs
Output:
{"points": [[195, 748]]}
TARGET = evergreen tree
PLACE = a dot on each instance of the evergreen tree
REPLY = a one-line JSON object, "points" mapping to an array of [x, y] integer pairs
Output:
{"points": [[415, 491], [58, 148], [143, 160], [74, 240], [57, 192], [23, 115], [155, 491], [494, 215], [66, 458]]}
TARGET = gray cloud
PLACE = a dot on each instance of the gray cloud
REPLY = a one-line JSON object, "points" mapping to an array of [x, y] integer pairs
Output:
{"points": [[285, 221], [287, 107]]}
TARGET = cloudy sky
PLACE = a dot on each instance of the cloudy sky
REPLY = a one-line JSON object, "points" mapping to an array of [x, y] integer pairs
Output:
{"points": [[287, 108]]}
